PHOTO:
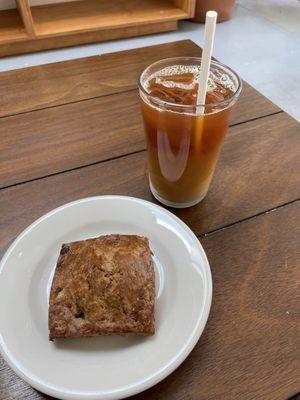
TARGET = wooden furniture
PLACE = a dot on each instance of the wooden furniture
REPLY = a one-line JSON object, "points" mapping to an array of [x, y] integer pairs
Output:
{"points": [[32, 28], [73, 129]]}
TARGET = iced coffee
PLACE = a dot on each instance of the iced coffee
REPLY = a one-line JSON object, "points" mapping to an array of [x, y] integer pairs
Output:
{"points": [[184, 138]]}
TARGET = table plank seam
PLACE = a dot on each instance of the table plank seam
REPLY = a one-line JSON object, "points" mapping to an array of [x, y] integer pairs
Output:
{"points": [[84, 153], [222, 228], [256, 118], [261, 213], [72, 169], [68, 103], [119, 156], [106, 95]]}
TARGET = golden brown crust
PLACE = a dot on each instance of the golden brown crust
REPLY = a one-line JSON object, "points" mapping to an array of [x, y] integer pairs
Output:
{"points": [[103, 286]]}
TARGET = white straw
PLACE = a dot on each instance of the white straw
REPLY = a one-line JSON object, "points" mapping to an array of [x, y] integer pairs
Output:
{"points": [[209, 34]]}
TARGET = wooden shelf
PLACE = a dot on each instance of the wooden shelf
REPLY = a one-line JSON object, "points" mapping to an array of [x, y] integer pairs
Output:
{"points": [[24, 10], [85, 21], [89, 15], [11, 26]]}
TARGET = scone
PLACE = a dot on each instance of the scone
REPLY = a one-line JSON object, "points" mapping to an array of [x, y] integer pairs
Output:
{"points": [[103, 286]]}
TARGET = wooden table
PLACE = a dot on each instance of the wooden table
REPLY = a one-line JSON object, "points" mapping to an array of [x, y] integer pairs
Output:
{"points": [[73, 129]]}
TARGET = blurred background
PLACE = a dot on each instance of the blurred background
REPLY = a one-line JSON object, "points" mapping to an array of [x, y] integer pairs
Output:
{"points": [[261, 40]]}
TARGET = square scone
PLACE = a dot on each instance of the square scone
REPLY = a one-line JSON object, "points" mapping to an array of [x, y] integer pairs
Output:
{"points": [[103, 286]]}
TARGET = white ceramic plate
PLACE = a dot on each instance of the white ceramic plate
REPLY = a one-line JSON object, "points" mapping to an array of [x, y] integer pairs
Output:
{"points": [[102, 367]]}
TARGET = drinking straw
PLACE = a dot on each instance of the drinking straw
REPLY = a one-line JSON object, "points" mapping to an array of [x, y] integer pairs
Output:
{"points": [[209, 34]]}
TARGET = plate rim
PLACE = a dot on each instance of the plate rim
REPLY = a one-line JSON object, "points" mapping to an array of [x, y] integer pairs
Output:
{"points": [[139, 387]]}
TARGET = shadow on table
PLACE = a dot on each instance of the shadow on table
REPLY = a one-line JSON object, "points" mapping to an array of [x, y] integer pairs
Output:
{"points": [[100, 343]]}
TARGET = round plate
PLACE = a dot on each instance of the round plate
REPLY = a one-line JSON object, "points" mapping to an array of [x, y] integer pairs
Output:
{"points": [[108, 367]]}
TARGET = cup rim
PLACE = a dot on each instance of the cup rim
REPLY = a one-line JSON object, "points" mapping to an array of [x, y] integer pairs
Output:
{"points": [[157, 100]]}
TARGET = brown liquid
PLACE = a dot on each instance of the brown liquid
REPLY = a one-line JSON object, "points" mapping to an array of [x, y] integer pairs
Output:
{"points": [[183, 148]]}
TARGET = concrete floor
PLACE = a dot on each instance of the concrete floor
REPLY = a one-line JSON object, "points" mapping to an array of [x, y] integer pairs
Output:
{"points": [[261, 42]]}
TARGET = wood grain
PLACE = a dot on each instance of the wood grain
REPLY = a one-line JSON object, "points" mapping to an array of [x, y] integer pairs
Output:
{"points": [[250, 348], [70, 23], [62, 18], [38, 44], [55, 139], [256, 172], [74, 80], [28, 89], [25, 12], [187, 5], [11, 27]]}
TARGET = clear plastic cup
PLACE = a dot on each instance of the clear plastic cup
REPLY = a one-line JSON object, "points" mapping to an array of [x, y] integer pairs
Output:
{"points": [[184, 141]]}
